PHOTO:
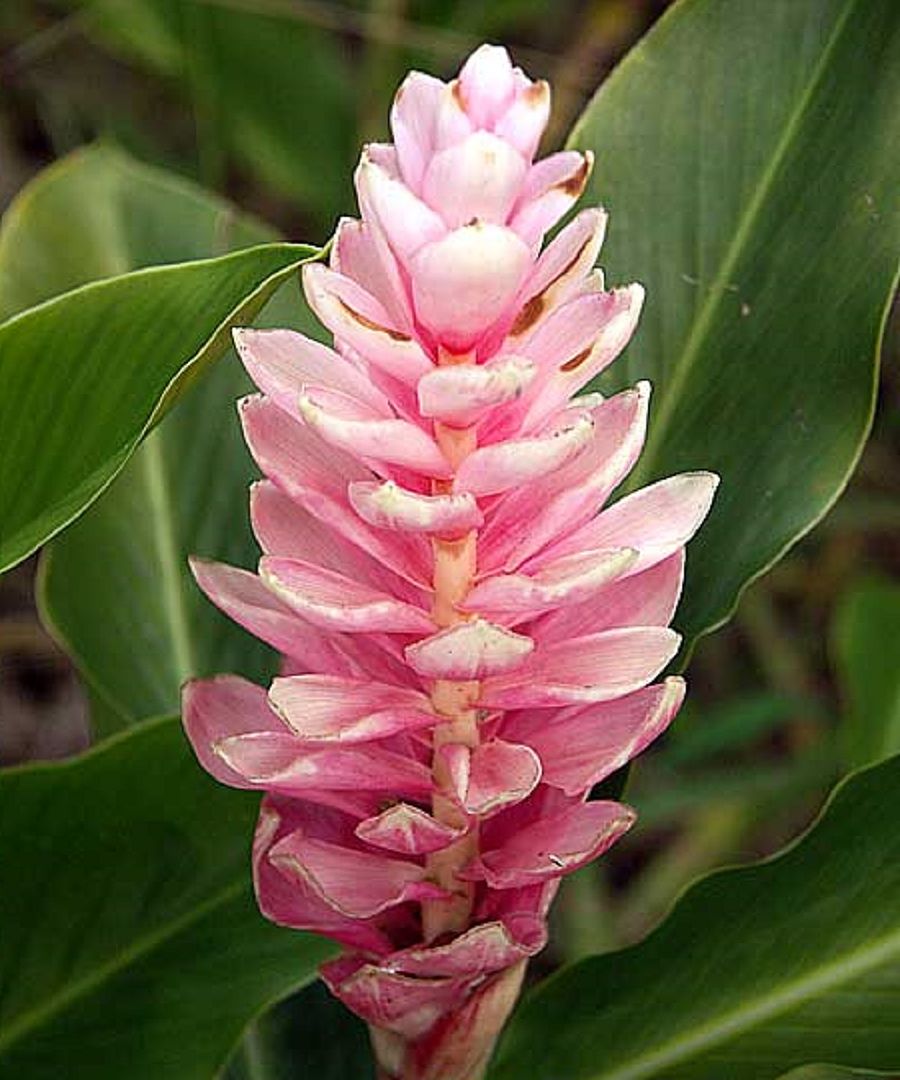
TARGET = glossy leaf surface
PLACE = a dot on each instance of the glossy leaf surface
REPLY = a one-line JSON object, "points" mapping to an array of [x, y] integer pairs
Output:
{"points": [[185, 490], [72, 410], [73, 407], [131, 938], [758, 970], [749, 155]]}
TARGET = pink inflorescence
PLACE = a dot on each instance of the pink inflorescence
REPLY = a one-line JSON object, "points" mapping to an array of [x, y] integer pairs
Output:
{"points": [[468, 643]]}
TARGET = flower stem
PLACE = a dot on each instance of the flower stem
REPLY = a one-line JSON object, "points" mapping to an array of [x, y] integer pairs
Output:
{"points": [[454, 571], [451, 916]]}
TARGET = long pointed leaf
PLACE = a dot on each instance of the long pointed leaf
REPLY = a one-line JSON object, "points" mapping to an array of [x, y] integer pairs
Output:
{"points": [[749, 155], [757, 970], [130, 935], [115, 586], [73, 407]]}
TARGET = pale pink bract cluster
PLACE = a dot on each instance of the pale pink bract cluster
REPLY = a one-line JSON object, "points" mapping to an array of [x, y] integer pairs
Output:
{"points": [[469, 645]]}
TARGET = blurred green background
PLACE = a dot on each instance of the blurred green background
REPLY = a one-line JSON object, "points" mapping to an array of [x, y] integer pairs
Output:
{"points": [[267, 102]]}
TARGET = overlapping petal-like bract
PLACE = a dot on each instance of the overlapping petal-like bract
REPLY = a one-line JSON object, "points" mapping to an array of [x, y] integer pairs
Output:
{"points": [[470, 633]]}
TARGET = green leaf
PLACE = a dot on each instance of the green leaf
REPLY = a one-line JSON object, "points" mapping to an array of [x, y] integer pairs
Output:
{"points": [[749, 155], [757, 970], [73, 409], [311, 1027], [185, 490], [98, 213], [131, 938], [866, 640], [105, 720], [829, 1072]]}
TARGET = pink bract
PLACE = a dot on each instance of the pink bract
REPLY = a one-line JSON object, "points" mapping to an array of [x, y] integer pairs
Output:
{"points": [[470, 632]]}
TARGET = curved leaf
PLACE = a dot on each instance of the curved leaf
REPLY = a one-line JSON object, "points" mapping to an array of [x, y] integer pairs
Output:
{"points": [[749, 155], [97, 213], [314, 1028], [115, 589], [73, 409], [130, 933], [757, 970], [185, 490]]}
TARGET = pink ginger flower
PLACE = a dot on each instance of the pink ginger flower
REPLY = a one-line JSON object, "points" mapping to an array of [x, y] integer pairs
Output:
{"points": [[469, 636]]}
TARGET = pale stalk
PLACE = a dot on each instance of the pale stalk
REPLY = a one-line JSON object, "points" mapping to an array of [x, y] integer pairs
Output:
{"points": [[454, 570]]}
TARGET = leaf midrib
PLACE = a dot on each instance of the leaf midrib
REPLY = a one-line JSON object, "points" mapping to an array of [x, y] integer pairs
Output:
{"points": [[748, 1016], [140, 947], [14, 553], [165, 540], [683, 365]]}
